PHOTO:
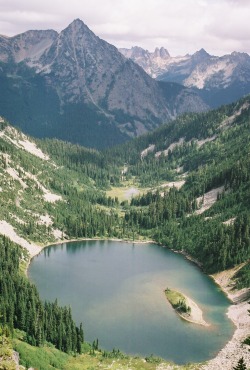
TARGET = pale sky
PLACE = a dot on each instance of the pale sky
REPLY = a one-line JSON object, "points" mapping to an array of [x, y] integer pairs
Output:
{"points": [[181, 26]]}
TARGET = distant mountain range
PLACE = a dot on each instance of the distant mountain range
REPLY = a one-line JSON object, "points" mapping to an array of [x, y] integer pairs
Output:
{"points": [[74, 86], [218, 80]]}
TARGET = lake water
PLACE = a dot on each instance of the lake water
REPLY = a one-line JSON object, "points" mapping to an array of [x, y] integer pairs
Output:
{"points": [[117, 290]]}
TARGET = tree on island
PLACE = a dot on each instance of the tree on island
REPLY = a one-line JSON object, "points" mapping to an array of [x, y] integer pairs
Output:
{"points": [[241, 365]]}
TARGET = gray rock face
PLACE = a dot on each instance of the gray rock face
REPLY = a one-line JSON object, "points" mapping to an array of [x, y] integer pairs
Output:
{"points": [[222, 79], [27, 46], [153, 63], [83, 70], [86, 68]]}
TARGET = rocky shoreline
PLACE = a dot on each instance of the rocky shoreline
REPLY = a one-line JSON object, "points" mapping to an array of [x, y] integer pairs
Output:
{"points": [[229, 356]]}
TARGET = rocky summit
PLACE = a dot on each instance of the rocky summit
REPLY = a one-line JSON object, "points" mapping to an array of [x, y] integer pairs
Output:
{"points": [[217, 80], [72, 85]]}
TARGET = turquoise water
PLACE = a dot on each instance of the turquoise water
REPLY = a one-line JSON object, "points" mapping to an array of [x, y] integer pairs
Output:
{"points": [[117, 290]]}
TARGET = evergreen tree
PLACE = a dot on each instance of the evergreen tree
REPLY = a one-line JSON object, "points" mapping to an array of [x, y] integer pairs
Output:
{"points": [[21, 307], [241, 365]]}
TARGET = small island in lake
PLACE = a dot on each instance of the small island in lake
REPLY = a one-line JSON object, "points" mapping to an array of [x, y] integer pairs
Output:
{"points": [[185, 307]]}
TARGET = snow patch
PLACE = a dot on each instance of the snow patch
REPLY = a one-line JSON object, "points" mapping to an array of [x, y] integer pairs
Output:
{"points": [[13, 173], [33, 149], [230, 221], [45, 220], [8, 230], [181, 141], [22, 142], [149, 149], [171, 147], [50, 197], [208, 199], [17, 219], [229, 120], [202, 142], [47, 195], [57, 234]]}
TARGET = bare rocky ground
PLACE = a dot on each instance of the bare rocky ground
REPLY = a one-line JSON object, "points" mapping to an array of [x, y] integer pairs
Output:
{"points": [[229, 356]]}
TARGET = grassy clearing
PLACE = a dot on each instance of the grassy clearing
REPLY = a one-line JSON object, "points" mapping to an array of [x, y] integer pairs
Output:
{"points": [[177, 300], [42, 358], [128, 190], [173, 296], [132, 188], [122, 193], [47, 357]]}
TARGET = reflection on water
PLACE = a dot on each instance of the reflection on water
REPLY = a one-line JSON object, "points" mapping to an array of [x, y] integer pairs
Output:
{"points": [[117, 290]]}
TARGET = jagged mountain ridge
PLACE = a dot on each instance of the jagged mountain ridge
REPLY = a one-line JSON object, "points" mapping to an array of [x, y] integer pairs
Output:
{"points": [[218, 80], [153, 63], [88, 92], [28, 45]]}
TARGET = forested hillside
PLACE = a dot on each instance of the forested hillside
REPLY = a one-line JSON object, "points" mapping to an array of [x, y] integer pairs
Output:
{"points": [[193, 181], [210, 154], [207, 153]]}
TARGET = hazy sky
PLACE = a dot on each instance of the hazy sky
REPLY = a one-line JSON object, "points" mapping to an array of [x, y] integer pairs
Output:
{"points": [[181, 26]]}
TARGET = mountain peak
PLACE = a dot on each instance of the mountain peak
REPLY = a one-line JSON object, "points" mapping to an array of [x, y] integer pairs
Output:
{"points": [[87, 79], [76, 26], [239, 54], [135, 52], [161, 52], [138, 48], [201, 53], [77, 21]]}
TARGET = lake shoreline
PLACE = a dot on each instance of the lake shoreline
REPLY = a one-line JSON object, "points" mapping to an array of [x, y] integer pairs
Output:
{"points": [[229, 355], [42, 247], [238, 314]]}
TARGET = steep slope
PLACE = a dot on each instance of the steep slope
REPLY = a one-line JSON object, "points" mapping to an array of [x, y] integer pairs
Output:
{"points": [[77, 87], [51, 190], [24, 190], [40, 196], [206, 158], [154, 63], [218, 80]]}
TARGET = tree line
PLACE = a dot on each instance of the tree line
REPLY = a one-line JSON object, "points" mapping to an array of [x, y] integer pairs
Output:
{"points": [[21, 308]]}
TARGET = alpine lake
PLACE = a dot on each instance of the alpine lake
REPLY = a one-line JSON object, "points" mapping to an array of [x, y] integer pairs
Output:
{"points": [[116, 289]]}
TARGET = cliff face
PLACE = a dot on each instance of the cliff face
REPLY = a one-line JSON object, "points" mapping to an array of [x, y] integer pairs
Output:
{"points": [[92, 89], [84, 68], [217, 80]]}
